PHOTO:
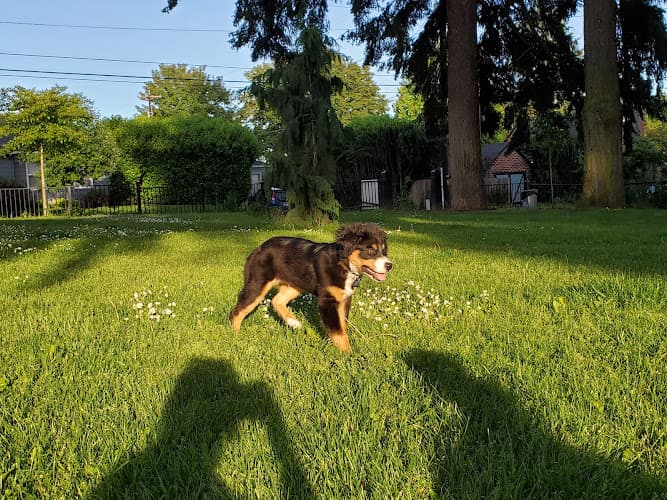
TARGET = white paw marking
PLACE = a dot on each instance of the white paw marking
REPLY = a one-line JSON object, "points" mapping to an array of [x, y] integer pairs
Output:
{"points": [[293, 323]]}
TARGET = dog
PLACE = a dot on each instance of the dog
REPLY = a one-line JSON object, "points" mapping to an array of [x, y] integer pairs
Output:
{"points": [[329, 271]]}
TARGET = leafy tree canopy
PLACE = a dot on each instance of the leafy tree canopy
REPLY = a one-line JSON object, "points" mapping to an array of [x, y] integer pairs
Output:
{"points": [[526, 55], [360, 95], [59, 122], [177, 89], [409, 104]]}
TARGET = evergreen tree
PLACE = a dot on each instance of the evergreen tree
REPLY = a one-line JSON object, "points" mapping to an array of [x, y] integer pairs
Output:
{"points": [[300, 91], [642, 60], [464, 140], [292, 34], [603, 161]]}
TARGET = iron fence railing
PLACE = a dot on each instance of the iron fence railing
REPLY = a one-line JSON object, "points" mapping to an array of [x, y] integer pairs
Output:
{"points": [[89, 200]]}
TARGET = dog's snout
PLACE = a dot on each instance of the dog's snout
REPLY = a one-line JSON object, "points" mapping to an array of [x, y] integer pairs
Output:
{"points": [[388, 266]]}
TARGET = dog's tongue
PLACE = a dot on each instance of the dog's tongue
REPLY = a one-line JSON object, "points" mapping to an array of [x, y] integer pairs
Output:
{"points": [[374, 275]]}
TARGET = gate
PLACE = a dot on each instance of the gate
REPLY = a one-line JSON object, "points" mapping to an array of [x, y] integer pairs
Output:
{"points": [[370, 193]]}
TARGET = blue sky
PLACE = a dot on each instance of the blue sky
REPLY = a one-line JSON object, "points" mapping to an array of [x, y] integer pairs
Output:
{"points": [[157, 40]]}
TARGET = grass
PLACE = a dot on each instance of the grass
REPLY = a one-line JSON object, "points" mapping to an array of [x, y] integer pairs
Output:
{"points": [[511, 354]]}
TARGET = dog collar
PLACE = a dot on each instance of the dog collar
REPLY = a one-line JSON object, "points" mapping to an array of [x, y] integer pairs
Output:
{"points": [[357, 280]]}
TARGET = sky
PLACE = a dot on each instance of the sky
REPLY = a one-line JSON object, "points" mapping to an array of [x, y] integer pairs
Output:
{"points": [[43, 41]]}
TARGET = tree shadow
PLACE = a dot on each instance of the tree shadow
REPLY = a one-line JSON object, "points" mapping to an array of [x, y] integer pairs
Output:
{"points": [[630, 241], [200, 417], [500, 452]]}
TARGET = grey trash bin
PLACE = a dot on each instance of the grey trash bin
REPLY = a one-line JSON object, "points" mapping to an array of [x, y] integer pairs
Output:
{"points": [[529, 198]]}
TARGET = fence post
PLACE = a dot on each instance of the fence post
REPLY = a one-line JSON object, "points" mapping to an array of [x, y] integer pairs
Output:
{"points": [[138, 197]]}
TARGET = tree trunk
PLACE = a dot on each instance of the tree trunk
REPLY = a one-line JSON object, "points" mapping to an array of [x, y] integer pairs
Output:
{"points": [[603, 160], [42, 177], [465, 149]]}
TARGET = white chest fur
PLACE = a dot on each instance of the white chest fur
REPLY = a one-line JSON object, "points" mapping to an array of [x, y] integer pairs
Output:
{"points": [[349, 284]]}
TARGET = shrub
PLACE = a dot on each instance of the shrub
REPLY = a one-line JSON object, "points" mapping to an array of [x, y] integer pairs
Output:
{"points": [[120, 189]]}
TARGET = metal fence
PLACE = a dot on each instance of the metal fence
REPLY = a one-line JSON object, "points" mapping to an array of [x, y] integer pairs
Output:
{"points": [[105, 200], [90, 200], [637, 194]]}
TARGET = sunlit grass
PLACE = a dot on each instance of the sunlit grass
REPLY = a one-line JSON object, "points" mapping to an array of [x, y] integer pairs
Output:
{"points": [[509, 354]]}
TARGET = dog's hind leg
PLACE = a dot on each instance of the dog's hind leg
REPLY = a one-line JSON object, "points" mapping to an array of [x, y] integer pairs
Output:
{"points": [[279, 302], [249, 297]]}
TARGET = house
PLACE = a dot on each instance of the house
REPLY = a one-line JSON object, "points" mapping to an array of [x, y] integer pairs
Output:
{"points": [[15, 172], [506, 172], [257, 173]]}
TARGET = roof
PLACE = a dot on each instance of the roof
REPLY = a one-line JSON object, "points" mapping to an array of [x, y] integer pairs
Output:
{"points": [[510, 163], [491, 151]]}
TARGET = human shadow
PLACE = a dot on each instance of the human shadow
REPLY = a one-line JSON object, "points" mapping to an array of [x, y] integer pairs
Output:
{"points": [[200, 417], [499, 451]]}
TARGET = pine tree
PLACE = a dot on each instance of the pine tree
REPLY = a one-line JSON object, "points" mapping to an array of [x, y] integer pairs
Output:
{"points": [[300, 91], [603, 160]]}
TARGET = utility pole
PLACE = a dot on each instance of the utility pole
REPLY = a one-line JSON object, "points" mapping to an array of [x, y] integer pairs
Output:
{"points": [[148, 97]]}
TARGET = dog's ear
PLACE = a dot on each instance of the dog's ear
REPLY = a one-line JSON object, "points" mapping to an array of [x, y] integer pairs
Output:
{"points": [[348, 236]]}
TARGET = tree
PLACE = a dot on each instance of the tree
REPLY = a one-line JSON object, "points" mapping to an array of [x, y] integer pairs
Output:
{"points": [[264, 121], [648, 160], [300, 91], [554, 150], [177, 89], [382, 145], [465, 148], [359, 96], [525, 57], [409, 104], [642, 60], [299, 88], [50, 121], [603, 160]]}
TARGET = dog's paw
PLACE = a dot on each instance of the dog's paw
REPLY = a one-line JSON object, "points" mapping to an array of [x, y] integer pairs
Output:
{"points": [[293, 323]]}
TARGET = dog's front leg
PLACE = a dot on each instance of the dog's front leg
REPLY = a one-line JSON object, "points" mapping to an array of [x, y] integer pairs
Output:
{"points": [[332, 307]]}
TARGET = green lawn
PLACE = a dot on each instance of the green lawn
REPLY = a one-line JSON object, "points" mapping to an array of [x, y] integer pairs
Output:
{"points": [[510, 354]]}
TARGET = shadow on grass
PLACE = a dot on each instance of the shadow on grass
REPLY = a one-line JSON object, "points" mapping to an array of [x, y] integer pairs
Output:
{"points": [[200, 418], [632, 241], [501, 453]]}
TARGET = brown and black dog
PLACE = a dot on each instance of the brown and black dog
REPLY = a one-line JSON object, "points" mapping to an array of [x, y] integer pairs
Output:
{"points": [[329, 271]]}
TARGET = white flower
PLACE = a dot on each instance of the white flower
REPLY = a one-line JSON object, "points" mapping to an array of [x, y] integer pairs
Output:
{"points": [[138, 305]]}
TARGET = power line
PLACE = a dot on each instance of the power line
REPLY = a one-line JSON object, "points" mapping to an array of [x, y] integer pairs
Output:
{"points": [[110, 78], [112, 75], [126, 28], [134, 61], [109, 75], [74, 79]]}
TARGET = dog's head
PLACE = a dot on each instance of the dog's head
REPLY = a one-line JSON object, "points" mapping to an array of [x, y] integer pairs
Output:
{"points": [[365, 247]]}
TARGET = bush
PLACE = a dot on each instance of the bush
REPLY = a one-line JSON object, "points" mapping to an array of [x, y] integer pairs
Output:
{"points": [[194, 157], [59, 206], [95, 198], [120, 189]]}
